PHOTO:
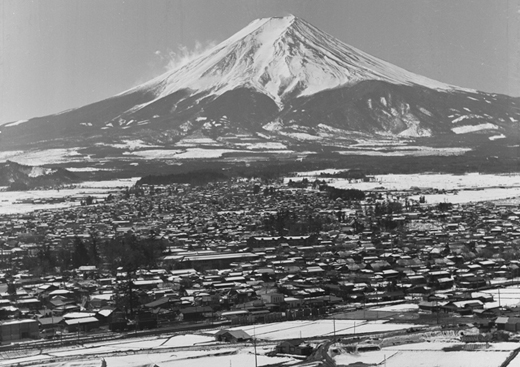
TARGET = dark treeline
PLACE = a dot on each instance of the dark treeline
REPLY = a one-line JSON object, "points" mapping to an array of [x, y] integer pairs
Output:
{"points": [[195, 178], [205, 172], [125, 252], [345, 194]]}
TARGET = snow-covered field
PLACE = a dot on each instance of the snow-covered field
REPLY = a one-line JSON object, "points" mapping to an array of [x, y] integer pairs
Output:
{"points": [[403, 307], [434, 180], [193, 153], [42, 157], [97, 189], [509, 296], [196, 350], [471, 196], [473, 187], [432, 355], [309, 329], [401, 151], [214, 358]]}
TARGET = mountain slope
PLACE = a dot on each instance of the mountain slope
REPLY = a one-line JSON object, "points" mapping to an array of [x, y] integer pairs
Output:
{"points": [[277, 80], [20, 176]]}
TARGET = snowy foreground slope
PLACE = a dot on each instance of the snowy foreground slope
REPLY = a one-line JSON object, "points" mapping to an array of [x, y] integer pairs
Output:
{"points": [[429, 349], [279, 82]]}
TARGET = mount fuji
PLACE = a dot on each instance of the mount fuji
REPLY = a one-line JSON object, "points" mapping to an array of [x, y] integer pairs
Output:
{"points": [[279, 85]]}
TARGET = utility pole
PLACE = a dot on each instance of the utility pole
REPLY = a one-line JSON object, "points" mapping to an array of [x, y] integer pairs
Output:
{"points": [[254, 344], [334, 325]]}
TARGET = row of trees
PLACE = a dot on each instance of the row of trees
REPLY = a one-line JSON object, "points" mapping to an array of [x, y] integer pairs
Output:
{"points": [[127, 252], [287, 222]]}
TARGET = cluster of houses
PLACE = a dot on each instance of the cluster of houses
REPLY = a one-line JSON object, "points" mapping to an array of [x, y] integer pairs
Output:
{"points": [[226, 259]]}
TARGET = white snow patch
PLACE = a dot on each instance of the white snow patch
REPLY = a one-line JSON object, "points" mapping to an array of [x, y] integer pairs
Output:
{"points": [[190, 153], [398, 308], [262, 146], [15, 123], [87, 169], [464, 117], [415, 130], [273, 126], [191, 141], [495, 137], [41, 171], [472, 128], [425, 111], [300, 136], [42, 157], [130, 144], [406, 151]]}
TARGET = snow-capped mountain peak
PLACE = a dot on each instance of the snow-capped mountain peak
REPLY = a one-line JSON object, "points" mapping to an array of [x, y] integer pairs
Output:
{"points": [[282, 56]]}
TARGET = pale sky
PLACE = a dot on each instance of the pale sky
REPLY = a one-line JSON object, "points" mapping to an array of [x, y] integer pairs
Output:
{"points": [[61, 54]]}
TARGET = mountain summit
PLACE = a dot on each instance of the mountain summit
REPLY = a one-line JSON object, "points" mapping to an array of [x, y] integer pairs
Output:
{"points": [[282, 58], [278, 81]]}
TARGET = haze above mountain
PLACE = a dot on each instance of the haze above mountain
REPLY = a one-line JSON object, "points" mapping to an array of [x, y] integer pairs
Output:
{"points": [[279, 85]]}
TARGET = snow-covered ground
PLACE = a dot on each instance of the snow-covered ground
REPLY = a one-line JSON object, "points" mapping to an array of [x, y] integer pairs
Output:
{"points": [[424, 180], [473, 187], [403, 307], [471, 196], [213, 358], [196, 350], [97, 189], [193, 153], [509, 296], [130, 144], [309, 329], [431, 355], [401, 151], [42, 157]]}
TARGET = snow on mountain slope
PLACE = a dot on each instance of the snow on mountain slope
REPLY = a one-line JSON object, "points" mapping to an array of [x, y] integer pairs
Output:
{"points": [[282, 57], [280, 81]]}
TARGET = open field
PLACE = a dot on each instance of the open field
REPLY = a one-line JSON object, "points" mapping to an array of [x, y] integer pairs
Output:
{"points": [[318, 328], [180, 350], [458, 189], [10, 201]]}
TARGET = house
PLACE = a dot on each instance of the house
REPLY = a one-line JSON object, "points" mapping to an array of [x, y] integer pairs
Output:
{"points": [[295, 346], [232, 336], [501, 322], [81, 324], [512, 324], [464, 307], [196, 313], [50, 322]]}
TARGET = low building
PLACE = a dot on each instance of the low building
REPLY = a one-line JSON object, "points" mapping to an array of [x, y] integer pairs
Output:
{"points": [[232, 336], [81, 324], [295, 346], [15, 330]]}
